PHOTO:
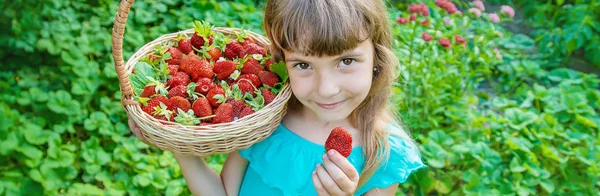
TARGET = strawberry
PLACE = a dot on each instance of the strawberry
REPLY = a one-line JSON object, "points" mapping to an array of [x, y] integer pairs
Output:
{"points": [[148, 91], [196, 67], [201, 107], [232, 50], [268, 64], [214, 101], [180, 90], [184, 45], [173, 69], [250, 77], [223, 114], [203, 33], [246, 87], [180, 102], [248, 41], [150, 106], [340, 140], [179, 79], [175, 56], [252, 48], [204, 85], [214, 53], [268, 78], [252, 66], [246, 111], [268, 95], [237, 106], [224, 69]]}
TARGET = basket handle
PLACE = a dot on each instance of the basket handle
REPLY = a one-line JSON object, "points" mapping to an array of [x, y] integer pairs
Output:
{"points": [[117, 52]]}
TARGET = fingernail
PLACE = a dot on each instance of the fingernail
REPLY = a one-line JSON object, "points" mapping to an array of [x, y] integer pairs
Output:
{"points": [[318, 165], [314, 172], [324, 156], [331, 152]]}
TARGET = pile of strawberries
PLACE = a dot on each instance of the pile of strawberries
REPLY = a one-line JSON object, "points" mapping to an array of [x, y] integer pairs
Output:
{"points": [[209, 78]]}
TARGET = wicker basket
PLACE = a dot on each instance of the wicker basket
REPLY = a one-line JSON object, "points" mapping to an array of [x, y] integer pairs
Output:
{"points": [[192, 140]]}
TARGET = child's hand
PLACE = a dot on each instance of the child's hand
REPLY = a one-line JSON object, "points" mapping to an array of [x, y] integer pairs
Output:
{"points": [[338, 177], [136, 130]]}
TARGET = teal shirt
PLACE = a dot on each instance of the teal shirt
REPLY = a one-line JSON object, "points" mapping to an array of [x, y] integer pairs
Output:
{"points": [[282, 164]]}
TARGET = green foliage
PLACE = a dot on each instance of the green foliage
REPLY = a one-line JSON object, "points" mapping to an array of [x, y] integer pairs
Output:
{"points": [[564, 27], [487, 124], [492, 118]]}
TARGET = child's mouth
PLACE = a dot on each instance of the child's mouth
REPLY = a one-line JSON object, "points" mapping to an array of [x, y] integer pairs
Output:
{"points": [[330, 106]]}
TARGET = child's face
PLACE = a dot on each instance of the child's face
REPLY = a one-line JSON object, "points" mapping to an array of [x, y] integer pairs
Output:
{"points": [[331, 87]]}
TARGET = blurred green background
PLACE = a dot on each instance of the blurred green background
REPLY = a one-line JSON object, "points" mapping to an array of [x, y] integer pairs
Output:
{"points": [[513, 112]]}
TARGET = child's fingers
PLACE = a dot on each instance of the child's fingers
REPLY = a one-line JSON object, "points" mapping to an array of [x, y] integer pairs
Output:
{"points": [[345, 165], [318, 185], [330, 185], [338, 176]]}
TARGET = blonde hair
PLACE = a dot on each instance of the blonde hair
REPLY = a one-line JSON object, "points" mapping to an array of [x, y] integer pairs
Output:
{"points": [[330, 27]]}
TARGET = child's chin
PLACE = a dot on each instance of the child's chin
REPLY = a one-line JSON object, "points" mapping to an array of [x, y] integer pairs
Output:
{"points": [[333, 117]]}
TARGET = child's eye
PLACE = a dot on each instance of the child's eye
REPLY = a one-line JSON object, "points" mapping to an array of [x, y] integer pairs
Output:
{"points": [[302, 66], [346, 62]]}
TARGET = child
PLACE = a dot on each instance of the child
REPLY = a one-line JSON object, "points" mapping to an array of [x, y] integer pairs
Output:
{"points": [[341, 68]]}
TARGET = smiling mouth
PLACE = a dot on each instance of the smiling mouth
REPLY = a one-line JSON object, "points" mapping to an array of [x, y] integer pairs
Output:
{"points": [[330, 106]]}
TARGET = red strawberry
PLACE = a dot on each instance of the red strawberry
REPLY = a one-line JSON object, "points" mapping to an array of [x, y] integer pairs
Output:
{"points": [[211, 96], [268, 78], [340, 140], [237, 106], [148, 91], [248, 41], [246, 111], [175, 56], [185, 45], [196, 67], [150, 107], [201, 107], [180, 90], [179, 79], [268, 95], [181, 103], [232, 50], [246, 87], [204, 85], [173, 69], [224, 69], [214, 53], [268, 64], [202, 34], [224, 114], [252, 48], [250, 77], [252, 66], [205, 124]]}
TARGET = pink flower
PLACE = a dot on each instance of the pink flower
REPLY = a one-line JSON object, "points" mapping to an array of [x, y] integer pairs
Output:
{"points": [[444, 42], [413, 17], [419, 8], [479, 5], [498, 55], [448, 21], [460, 40], [402, 20], [494, 17], [498, 33], [426, 37], [447, 5], [425, 23], [475, 11], [508, 10]]}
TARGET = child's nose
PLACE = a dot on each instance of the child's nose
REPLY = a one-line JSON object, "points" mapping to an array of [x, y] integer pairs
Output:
{"points": [[328, 86]]}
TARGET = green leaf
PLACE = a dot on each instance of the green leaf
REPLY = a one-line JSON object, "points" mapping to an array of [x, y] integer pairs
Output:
{"points": [[280, 69], [10, 144], [30, 151], [35, 135], [515, 166], [141, 77], [519, 119]]}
